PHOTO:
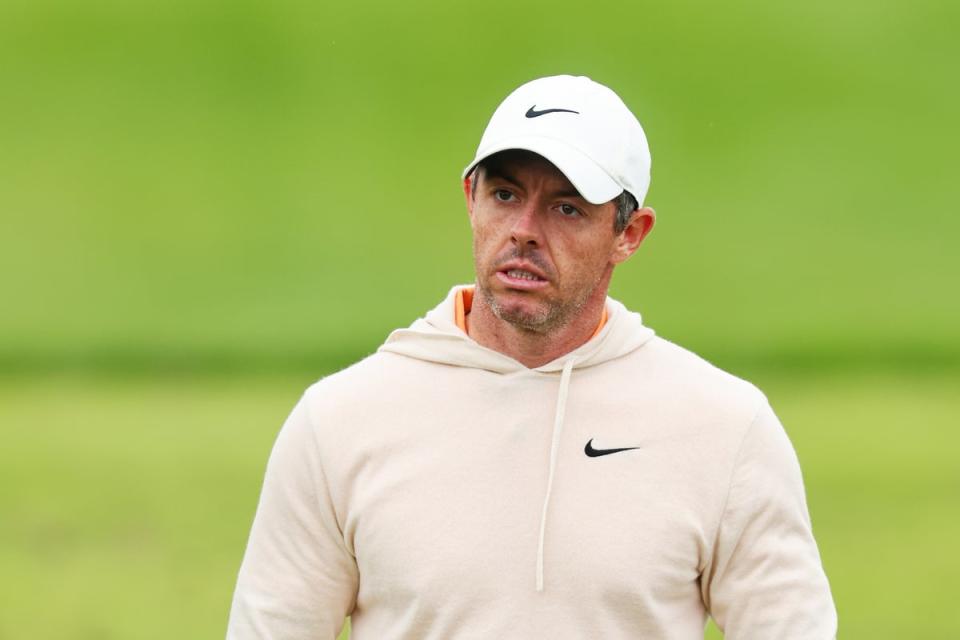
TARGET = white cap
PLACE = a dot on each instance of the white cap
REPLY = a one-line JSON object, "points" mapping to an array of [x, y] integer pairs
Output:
{"points": [[582, 127]]}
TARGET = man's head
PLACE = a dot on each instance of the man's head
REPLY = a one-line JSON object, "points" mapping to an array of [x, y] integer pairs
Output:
{"points": [[553, 199]]}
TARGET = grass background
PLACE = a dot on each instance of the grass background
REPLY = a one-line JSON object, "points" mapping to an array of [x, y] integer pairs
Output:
{"points": [[204, 206]]}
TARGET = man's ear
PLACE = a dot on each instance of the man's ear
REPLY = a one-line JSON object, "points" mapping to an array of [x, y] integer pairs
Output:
{"points": [[630, 238], [468, 193]]}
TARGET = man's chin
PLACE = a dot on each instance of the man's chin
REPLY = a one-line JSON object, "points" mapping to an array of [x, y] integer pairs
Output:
{"points": [[525, 310], [522, 313]]}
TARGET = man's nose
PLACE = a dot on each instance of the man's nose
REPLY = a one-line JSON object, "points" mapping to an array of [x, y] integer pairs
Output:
{"points": [[526, 227]]}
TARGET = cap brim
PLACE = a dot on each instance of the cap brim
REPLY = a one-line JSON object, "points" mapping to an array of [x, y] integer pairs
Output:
{"points": [[587, 177]]}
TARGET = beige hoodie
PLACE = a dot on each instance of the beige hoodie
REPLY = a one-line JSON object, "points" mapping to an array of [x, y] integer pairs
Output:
{"points": [[439, 489]]}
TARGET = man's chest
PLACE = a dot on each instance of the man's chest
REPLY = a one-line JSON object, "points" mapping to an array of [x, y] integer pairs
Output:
{"points": [[450, 498]]}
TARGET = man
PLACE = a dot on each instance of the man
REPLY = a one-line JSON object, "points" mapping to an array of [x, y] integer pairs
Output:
{"points": [[529, 460]]}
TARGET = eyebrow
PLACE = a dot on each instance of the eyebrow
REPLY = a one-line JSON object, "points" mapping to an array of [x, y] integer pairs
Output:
{"points": [[496, 172]]}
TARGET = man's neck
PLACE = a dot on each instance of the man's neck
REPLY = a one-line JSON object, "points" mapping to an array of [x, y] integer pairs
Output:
{"points": [[532, 348]]}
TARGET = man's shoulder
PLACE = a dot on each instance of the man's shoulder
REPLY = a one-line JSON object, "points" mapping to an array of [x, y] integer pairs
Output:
{"points": [[362, 377], [671, 356], [680, 373], [376, 380]]}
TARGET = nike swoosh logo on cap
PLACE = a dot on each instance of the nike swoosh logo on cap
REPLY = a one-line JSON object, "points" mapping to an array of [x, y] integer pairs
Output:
{"points": [[533, 113], [595, 453]]}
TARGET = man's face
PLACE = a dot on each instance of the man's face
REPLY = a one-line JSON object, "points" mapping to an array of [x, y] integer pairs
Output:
{"points": [[541, 251]]}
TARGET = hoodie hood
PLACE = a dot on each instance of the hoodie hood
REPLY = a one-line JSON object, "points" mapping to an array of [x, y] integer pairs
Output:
{"points": [[437, 338]]}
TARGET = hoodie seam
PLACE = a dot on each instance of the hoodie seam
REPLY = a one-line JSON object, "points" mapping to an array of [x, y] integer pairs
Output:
{"points": [[325, 483], [737, 459]]}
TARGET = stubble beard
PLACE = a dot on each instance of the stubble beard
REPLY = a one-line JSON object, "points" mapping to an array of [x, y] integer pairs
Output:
{"points": [[554, 315]]}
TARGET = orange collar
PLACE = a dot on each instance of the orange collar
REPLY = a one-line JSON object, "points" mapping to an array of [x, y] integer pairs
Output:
{"points": [[464, 302]]}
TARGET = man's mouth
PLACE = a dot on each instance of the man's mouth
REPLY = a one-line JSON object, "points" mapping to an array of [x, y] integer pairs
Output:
{"points": [[520, 274], [522, 277]]}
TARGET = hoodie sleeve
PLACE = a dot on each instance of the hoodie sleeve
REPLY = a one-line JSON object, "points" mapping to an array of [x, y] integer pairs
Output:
{"points": [[298, 579], [765, 579]]}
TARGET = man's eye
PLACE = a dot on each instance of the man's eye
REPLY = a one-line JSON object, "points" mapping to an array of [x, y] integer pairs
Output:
{"points": [[569, 210], [502, 195]]}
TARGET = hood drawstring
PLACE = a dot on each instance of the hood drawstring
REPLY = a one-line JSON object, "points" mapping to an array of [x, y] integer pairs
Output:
{"points": [[554, 447]]}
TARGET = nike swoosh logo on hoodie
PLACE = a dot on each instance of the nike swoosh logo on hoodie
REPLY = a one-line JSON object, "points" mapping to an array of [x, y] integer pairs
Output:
{"points": [[596, 453]]}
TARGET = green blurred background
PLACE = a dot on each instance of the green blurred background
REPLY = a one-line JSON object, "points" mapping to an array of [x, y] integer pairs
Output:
{"points": [[205, 206]]}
